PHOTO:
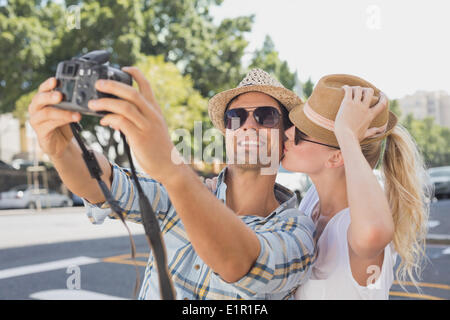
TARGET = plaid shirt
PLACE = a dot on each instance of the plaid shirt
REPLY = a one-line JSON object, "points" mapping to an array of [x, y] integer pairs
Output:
{"points": [[286, 238]]}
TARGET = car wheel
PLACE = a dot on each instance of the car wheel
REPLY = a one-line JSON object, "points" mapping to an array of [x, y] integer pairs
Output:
{"points": [[65, 203], [31, 205]]}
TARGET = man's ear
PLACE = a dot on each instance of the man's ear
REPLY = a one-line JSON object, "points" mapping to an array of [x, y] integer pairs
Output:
{"points": [[335, 160]]}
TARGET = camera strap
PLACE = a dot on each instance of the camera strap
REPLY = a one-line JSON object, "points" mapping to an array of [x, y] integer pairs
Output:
{"points": [[149, 220]]}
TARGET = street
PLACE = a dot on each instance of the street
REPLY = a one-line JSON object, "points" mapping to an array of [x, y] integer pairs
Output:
{"points": [[59, 254]]}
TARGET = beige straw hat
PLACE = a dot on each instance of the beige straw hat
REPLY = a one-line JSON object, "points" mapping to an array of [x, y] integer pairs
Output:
{"points": [[255, 80], [316, 116]]}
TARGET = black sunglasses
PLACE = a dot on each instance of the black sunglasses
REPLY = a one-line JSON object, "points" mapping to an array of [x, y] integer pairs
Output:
{"points": [[300, 136], [268, 117]]}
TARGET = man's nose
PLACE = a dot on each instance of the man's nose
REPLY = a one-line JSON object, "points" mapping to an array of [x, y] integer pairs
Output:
{"points": [[290, 133], [250, 122]]}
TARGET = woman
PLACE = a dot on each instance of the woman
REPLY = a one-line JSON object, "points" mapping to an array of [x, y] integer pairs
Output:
{"points": [[339, 136]]}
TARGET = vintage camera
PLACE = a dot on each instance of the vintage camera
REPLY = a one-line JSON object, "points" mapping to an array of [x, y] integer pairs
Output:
{"points": [[77, 77]]}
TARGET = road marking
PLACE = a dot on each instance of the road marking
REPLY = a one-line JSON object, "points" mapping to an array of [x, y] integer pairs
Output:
{"points": [[414, 295], [66, 294], [47, 266], [446, 251], [126, 259], [433, 223], [424, 284]]}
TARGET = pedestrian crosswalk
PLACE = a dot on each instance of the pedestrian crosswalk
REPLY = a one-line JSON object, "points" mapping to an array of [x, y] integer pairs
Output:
{"points": [[76, 294], [46, 266]]}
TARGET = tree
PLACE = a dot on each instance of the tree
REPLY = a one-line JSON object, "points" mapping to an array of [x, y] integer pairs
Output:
{"points": [[308, 87], [395, 108], [432, 139], [37, 36], [181, 104], [267, 58], [25, 43], [21, 113]]}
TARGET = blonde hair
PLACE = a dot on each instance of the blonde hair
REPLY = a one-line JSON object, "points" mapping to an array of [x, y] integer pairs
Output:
{"points": [[408, 194]]}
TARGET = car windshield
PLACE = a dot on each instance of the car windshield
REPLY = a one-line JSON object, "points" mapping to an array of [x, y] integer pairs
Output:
{"points": [[20, 188], [440, 173]]}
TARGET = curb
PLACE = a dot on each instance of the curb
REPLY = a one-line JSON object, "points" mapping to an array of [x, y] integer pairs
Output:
{"points": [[438, 239]]}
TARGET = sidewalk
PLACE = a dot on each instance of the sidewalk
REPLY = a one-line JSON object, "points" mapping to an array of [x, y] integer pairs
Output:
{"points": [[20, 228]]}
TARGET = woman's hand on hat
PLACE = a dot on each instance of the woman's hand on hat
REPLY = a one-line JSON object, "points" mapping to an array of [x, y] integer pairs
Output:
{"points": [[355, 113]]}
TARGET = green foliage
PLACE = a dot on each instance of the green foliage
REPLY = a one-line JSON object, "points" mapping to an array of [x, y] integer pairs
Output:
{"points": [[21, 110], [24, 43], [180, 102], [36, 35], [308, 87], [395, 108], [432, 139], [267, 58]]}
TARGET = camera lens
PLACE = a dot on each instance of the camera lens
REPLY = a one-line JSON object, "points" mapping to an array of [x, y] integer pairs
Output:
{"points": [[81, 97]]}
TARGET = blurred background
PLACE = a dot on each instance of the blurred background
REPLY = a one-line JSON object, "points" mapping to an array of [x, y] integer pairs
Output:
{"points": [[192, 49]]}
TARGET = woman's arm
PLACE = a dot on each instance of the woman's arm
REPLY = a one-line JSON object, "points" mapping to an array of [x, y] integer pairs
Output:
{"points": [[372, 226]]}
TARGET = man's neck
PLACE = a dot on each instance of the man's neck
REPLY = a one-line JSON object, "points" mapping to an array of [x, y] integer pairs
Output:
{"points": [[249, 192]]}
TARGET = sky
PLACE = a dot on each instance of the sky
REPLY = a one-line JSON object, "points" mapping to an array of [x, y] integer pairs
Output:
{"points": [[399, 46]]}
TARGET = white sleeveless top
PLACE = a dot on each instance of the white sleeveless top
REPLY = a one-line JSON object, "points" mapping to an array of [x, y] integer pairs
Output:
{"points": [[331, 277]]}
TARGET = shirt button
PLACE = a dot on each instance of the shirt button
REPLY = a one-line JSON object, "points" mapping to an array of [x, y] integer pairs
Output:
{"points": [[196, 267]]}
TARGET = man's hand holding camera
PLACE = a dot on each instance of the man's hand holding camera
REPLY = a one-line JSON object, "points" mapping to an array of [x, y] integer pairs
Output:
{"points": [[140, 118], [51, 124]]}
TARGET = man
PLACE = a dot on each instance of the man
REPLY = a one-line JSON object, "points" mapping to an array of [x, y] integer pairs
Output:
{"points": [[246, 241]]}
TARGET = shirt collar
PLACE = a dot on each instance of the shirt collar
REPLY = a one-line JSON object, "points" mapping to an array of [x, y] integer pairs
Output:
{"points": [[285, 197]]}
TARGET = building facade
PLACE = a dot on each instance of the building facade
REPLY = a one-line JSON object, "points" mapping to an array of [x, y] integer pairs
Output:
{"points": [[12, 145], [423, 104]]}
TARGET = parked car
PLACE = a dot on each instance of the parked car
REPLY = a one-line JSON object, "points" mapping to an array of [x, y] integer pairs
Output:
{"points": [[23, 164], [440, 178], [25, 196], [295, 181], [4, 165]]}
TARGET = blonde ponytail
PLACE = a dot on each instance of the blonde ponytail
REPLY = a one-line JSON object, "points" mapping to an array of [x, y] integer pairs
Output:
{"points": [[406, 188]]}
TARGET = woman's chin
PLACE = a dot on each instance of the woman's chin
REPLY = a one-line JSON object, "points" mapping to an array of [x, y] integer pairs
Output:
{"points": [[286, 164], [291, 163]]}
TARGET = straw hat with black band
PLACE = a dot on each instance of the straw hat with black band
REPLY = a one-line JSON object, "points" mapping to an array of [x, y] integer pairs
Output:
{"points": [[255, 80], [316, 116]]}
